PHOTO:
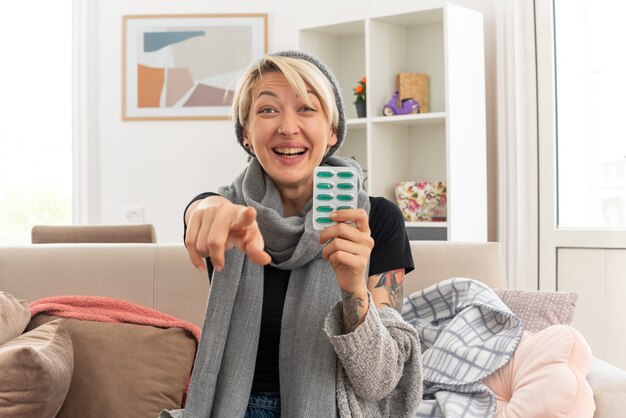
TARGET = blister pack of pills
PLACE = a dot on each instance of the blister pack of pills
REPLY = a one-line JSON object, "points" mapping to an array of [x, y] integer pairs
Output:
{"points": [[334, 188]]}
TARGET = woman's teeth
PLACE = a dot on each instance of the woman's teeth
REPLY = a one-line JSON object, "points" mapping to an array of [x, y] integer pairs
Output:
{"points": [[290, 152]]}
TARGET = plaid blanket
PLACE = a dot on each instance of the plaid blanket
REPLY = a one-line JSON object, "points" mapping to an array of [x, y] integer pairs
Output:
{"points": [[466, 333]]}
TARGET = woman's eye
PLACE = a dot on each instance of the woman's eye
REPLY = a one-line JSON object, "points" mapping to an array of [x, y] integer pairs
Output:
{"points": [[307, 109], [267, 110]]}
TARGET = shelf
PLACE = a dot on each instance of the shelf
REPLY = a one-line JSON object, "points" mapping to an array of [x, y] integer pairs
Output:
{"points": [[340, 30], [419, 18], [426, 224], [431, 118], [427, 231], [448, 141], [356, 123]]}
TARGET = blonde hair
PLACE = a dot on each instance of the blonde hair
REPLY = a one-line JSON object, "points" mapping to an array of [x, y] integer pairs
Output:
{"points": [[300, 74]]}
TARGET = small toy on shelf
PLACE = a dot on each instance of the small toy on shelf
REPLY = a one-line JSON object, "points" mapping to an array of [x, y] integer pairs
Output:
{"points": [[414, 86], [406, 106]]}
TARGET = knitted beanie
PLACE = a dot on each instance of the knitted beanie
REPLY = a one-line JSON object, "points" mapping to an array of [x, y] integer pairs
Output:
{"points": [[341, 125]]}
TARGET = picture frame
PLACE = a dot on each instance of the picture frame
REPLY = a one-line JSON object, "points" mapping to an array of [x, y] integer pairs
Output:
{"points": [[185, 66]]}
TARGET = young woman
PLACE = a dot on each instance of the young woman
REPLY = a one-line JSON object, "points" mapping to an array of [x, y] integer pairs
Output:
{"points": [[300, 323]]}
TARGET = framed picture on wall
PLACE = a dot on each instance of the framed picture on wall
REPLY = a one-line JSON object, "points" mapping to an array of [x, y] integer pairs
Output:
{"points": [[185, 67]]}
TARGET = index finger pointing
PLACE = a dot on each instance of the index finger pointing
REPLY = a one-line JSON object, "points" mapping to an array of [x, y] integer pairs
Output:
{"points": [[245, 218]]}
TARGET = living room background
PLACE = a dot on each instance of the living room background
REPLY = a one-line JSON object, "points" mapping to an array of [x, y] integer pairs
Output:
{"points": [[159, 166]]}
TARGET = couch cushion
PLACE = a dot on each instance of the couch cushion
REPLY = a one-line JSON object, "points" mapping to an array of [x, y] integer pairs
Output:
{"points": [[14, 316], [36, 372], [546, 377], [538, 309], [125, 370]]}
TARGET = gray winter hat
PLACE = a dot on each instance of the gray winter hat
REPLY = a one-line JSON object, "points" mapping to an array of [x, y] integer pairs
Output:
{"points": [[341, 124]]}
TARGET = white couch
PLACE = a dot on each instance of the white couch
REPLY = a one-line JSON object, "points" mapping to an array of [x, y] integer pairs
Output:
{"points": [[160, 276]]}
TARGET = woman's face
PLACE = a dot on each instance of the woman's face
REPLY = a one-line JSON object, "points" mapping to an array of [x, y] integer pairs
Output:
{"points": [[288, 137]]}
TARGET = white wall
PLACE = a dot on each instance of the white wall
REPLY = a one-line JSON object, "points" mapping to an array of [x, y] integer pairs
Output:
{"points": [[161, 165]]}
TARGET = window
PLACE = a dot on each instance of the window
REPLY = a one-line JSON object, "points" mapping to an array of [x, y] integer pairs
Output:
{"points": [[35, 116], [590, 113]]}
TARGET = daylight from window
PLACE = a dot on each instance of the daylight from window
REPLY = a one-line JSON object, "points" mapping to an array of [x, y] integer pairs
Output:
{"points": [[591, 113], [35, 116]]}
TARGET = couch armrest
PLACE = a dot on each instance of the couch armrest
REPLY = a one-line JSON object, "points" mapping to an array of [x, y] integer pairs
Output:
{"points": [[609, 389]]}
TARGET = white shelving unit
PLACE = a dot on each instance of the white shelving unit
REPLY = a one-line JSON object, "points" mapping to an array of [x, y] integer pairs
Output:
{"points": [[447, 143]]}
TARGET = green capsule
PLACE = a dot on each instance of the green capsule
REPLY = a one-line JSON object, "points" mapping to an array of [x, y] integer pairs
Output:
{"points": [[324, 186], [324, 196], [344, 197], [324, 208], [345, 186], [323, 220], [345, 207], [325, 174], [345, 174]]}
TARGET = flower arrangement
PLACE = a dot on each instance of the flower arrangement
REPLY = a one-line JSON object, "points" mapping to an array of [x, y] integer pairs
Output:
{"points": [[359, 91]]}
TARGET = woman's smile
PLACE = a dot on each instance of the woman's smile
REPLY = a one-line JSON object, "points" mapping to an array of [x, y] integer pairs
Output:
{"points": [[288, 134], [291, 152]]}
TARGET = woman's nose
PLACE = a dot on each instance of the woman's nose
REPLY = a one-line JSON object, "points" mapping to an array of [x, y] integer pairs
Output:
{"points": [[289, 124]]}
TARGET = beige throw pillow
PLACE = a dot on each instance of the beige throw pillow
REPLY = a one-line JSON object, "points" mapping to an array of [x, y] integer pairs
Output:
{"points": [[125, 370], [36, 371], [14, 316], [538, 309]]}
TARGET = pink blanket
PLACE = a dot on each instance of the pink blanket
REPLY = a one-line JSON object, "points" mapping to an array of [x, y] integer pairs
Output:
{"points": [[104, 309]]}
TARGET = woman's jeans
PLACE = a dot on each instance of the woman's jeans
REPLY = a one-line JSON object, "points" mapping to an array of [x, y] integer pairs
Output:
{"points": [[263, 405]]}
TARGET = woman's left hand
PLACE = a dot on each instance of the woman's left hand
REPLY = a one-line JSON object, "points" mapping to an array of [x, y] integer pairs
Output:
{"points": [[349, 248], [349, 252]]}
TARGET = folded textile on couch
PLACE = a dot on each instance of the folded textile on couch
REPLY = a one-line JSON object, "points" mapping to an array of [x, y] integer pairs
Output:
{"points": [[466, 333], [105, 309]]}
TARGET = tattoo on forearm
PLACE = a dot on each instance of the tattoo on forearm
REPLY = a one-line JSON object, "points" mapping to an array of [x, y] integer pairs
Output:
{"points": [[393, 282], [351, 306]]}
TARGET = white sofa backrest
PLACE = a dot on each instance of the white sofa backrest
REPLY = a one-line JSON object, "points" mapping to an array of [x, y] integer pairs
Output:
{"points": [[438, 260], [160, 276], [155, 275]]}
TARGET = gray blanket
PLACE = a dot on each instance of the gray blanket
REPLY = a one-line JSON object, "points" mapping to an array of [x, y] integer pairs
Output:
{"points": [[466, 333]]}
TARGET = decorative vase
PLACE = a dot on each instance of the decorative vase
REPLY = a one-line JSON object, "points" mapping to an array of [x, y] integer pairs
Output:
{"points": [[360, 110]]}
